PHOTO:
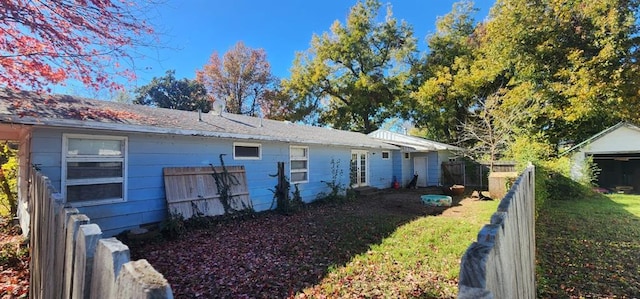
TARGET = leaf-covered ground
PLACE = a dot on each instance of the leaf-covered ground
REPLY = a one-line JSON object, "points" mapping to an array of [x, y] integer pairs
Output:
{"points": [[589, 248], [379, 247], [14, 263]]}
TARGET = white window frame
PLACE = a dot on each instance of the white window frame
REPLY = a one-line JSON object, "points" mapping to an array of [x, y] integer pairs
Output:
{"points": [[64, 182], [388, 155], [291, 159], [247, 144], [407, 155]]}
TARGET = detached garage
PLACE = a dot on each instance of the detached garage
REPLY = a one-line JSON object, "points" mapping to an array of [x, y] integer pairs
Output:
{"points": [[616, 152]]}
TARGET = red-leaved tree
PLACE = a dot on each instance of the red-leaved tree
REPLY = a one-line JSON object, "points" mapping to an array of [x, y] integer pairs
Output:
{"points": [[46, 42], [241, 78]]}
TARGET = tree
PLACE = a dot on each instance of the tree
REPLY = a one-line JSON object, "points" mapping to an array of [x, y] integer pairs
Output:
{"points": [[8, 178], [168, 92], [446, 91], [48, 42], [240, 78], [570, 68], [355, 75]]}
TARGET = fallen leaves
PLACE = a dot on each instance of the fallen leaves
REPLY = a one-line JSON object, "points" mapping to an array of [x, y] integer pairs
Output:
{"points": [[276, 256]]}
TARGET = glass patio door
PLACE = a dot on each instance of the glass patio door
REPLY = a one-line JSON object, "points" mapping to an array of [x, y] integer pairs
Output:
{"points": [[359, 168]]}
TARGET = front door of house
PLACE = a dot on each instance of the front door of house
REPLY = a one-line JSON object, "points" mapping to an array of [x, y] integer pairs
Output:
{"points": [[359, 168]]}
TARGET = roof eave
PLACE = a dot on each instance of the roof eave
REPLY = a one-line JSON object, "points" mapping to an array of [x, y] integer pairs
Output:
{"points": [[79, 124]]}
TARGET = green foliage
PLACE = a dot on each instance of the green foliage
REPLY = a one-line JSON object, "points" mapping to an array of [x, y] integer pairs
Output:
{"points": [[529, 148], [169, 92], [355, 75], [567, 68], [9, 180]]}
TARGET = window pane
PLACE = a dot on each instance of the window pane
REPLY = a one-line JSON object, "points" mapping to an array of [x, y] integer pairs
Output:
{"points": [[385, 155], [298, 152], [94, 192], [298, 176], [94, 147], [295, 165], [247, 151], [92, 170]]}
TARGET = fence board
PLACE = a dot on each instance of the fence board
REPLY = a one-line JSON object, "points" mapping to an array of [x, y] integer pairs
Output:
{"points": [[191, 190], [63, 253], [501, 263]]}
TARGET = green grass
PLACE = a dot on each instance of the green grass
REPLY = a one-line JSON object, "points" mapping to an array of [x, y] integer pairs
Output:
{"points": [[420, 258], [589, 247]]}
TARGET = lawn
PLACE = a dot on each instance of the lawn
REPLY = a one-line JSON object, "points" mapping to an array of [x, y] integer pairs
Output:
{"points": [[589, 247], [389, 246]]}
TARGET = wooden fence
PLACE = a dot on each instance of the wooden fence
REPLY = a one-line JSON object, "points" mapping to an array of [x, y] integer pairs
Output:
{"points": [[501, 263], [69, 258], [202, 190]]}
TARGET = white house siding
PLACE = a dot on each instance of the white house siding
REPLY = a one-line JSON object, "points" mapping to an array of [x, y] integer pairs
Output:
{"points": [[623, 139], [149, 153]]}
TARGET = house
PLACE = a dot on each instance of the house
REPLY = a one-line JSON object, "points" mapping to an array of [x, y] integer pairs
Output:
{"points": [[417, 156], [107, 158], [615, 151]]}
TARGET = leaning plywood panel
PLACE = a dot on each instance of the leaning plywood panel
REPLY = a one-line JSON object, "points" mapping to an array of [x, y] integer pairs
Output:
{"points": [[206, 191]]}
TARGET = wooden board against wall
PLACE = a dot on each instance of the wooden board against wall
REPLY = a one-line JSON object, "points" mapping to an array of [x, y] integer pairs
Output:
{"points": [[190, 190]]}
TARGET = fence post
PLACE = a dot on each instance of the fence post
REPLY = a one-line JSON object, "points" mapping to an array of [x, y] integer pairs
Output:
{"points": [[86, 243], [139, 280], [72, 229], [111, 254]]}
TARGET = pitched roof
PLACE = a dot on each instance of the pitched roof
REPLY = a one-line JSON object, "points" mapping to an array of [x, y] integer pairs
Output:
{"points": [[415, 143], [31, 108], [600, 135]]}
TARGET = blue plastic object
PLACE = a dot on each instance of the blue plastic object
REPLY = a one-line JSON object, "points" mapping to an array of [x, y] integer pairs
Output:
{"points": [[436, 200]]}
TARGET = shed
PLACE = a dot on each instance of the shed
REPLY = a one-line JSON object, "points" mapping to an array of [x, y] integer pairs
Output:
{"points": [[107, 158], [417, 156], [615, 151]]}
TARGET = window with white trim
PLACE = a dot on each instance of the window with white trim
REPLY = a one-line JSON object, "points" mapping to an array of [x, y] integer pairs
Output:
{"points": [[94, 168], [299, 156], [247, 151], [386, 155]]}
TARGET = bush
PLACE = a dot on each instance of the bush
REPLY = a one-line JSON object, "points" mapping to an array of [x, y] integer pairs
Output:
{"points": [[174, 226]]}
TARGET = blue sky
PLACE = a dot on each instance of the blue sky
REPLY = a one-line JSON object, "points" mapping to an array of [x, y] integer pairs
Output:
{"points": [[191, 30]]}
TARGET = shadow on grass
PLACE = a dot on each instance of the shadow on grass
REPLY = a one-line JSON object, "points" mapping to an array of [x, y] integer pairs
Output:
{"points": [[587, 243], [268, 255]]}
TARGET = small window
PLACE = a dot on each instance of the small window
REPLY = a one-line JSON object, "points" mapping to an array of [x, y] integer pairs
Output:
{"points": [[452, 159], [385, 155], [299, 156], [247, 151], [93, 168], [406, 155]]}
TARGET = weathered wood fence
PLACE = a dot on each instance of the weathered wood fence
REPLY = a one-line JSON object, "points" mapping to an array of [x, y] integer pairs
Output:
{"points": [[69, 258], [501, 264]]}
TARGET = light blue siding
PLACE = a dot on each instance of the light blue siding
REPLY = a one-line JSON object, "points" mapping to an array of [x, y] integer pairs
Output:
{"points": [[380, 170], [148, 154], [433, 169]]}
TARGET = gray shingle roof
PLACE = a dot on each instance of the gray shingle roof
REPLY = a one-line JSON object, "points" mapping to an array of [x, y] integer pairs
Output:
{"points": [[415, 143], [31, 108]]}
